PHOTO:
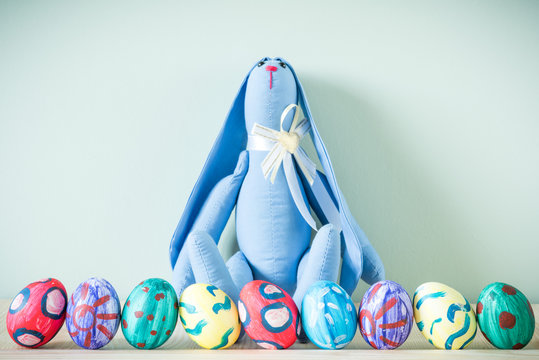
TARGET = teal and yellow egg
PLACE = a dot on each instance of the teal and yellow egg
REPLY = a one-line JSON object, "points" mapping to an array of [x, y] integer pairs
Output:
{"points": [[328, 315], [209, 316], [444, 316], [505, 316], [150, 314]]}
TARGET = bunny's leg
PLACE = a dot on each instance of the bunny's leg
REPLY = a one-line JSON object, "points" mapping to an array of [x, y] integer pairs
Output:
{"points": [[320, 262], [208, 265], [211, 220]]}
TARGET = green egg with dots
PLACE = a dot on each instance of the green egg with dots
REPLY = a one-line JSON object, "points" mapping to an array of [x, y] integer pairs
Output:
{"points": [[150, 314], [505, 316]]}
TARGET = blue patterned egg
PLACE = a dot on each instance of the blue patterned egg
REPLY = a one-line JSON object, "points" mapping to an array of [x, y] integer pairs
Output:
{"points": [[386, 315], [328, 315], [93, 313]]}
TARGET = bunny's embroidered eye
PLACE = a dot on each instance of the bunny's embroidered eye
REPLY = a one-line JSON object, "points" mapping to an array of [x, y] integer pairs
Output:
{"points": [[283, 65], [261, 63]]}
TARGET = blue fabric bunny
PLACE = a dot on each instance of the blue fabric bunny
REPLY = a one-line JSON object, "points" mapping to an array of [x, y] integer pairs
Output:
{"points": [[257, 166]]}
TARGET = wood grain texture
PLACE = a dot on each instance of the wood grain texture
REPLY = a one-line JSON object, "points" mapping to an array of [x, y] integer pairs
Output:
{"points": [[180, 346]]}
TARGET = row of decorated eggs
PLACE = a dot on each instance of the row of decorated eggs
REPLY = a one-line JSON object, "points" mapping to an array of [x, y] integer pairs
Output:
{"points": [[268, 314], [329, 319], [93, 313]]}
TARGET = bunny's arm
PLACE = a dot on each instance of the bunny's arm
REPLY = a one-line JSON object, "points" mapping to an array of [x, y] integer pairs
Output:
{"points": [[221, 201], [373, 269], [211, 219]]}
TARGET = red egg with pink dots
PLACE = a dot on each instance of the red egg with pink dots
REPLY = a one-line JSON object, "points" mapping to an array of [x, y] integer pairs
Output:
{"points": [[268, 314], [37, 313]]}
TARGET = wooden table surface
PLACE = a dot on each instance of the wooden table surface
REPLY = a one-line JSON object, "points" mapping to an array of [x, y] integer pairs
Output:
{"points": [[180, 347]]}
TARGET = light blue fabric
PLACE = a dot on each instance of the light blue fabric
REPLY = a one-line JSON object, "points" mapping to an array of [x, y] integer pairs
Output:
{"points": [[273, 237]]}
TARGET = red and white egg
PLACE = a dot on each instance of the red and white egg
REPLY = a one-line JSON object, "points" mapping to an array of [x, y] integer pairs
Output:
{"points": [[268, 314], [37, 313]]}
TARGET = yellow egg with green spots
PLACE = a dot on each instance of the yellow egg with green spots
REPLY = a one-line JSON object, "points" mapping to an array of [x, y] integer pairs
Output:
{"points": [[209, 316], [444, 316]]}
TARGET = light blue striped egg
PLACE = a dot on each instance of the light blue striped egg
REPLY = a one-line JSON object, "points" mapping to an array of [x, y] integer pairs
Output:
{"points": [[328, 315]]}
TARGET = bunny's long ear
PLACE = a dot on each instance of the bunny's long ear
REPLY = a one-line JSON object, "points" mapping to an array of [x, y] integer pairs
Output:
{"points": [[221, 161], [360, 260]]}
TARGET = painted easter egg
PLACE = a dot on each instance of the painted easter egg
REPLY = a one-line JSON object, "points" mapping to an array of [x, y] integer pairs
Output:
{"points": [[385, 315], [328, 315], [93, 313], [268, 314], [209, 316], [444, 316], [505, 316], [37, 313], [150, 313]]}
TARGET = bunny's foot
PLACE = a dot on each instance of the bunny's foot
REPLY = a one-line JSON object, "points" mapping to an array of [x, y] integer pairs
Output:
{"points": [[239, 269], [320, 262], [208, 265]]}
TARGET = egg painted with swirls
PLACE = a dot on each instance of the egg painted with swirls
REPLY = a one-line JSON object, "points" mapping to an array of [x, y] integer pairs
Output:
{"points": [[505, 316], [444, 316], [37, 313], [328, 315], [93, 313], [150, 313], [209, 316], [268, 314], [386, 315]]}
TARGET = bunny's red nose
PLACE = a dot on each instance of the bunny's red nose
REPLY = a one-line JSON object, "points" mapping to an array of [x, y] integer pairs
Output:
{"points": [[271, 68]]}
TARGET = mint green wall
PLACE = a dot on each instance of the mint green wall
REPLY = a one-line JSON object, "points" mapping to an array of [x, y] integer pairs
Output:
{"points": [[429, 111]]}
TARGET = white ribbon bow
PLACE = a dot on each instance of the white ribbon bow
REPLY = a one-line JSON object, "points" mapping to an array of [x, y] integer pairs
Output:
{"points": [[281, 146]]}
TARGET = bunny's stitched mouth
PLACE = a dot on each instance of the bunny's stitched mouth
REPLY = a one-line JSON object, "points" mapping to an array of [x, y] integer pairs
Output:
{"points": [[271, 69]]}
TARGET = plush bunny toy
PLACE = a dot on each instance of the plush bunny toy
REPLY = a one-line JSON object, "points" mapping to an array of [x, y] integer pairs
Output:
{"points": [[257, 165]]}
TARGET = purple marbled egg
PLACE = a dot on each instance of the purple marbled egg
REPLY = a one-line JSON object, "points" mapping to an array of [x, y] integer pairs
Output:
{"points": [[93, 313], [386, 316]]}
